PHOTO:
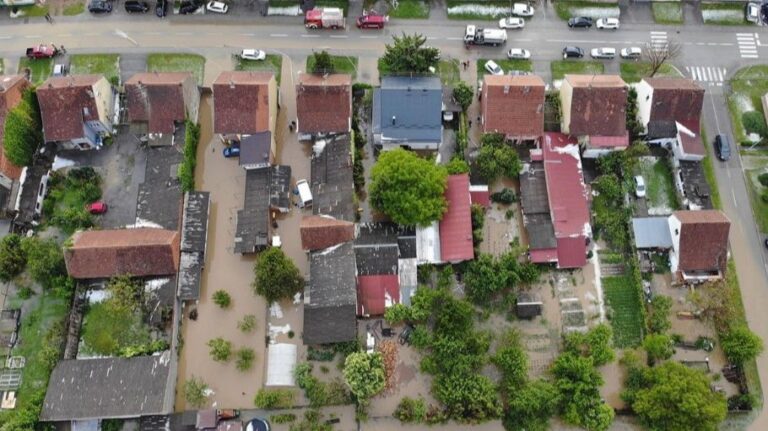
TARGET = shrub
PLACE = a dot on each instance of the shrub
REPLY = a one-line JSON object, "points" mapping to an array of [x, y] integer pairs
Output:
{"points": [[658, 318], [398, 313], [107, 330], [410, 410], [222, 298], [763, 179], [497, 159], [220, 349], [506, 197], [12, 257], [283, 418], [457, 166], [764, 197], [195, 392], [274, 398], [276, 276], [244, 359], [187, 166], [741, 345], [754, 122], [247, 323]]}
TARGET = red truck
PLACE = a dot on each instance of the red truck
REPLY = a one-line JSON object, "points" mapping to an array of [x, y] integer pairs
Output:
{"points": [[327, 17], [42, 51], [372, 21]]}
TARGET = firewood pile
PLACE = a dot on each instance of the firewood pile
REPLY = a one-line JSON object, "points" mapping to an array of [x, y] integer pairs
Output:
{"points": [[388, 350]]}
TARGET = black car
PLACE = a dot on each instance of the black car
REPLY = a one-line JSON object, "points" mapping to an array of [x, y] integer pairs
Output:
{"points": [[187, 8], [764, 12], [99, 6], [135, 6], [722, 147], [160, 8], [573, 52], [257, 424], [580, 21]]}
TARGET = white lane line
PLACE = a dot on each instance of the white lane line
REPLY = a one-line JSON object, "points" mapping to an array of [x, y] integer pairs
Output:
{"points": [[369, 37], [432, 38], [749, 56], [339, 36], [456, 38], [5, 37], [726, 44], [34, 36], [733, 193], [248, 34], [183, 33], [658, 32], [277, 35], [745, 34], [310, 35]]}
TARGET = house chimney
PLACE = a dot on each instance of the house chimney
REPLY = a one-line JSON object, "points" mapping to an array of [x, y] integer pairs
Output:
{"points": [[394, 118], [506, 89]]}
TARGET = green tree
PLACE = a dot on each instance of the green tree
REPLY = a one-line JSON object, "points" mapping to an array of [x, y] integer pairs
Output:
{"points": [[273, 398], [658, 318], [658, 347], [512, 361], [457, 165], [496, 159], [407, 188], [196, 392], [12, 257], [468, 397], [596, 344], [407, 54], [578, 382], [741, 345], [411, 410], [483, 279], [222, 298], [276, 276], [364, 374], [678, 398], [463, 95], [45, 260], [754, 122], [323, 63], [634, 127], [23, 130], [220, 349], [124, 294], [531, 407], [247, 323], [244, 359]]}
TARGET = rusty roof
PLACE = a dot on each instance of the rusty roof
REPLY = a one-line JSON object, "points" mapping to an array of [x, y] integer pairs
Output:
{"points": [[456, 224], [675, 99], [11, 89], [324, 103], [513, 105], [598, 105], [66, 102], [703, 240], [241, 102], [320, 232], [158, 99]]}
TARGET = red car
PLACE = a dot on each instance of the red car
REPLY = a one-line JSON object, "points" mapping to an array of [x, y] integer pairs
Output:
{"points": [[97, 208]]}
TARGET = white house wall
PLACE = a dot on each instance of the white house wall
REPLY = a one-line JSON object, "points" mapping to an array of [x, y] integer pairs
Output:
{"points": [[644, 103]]}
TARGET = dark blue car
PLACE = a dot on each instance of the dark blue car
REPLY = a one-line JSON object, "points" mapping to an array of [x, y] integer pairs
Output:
{"points": [[233, 151]]}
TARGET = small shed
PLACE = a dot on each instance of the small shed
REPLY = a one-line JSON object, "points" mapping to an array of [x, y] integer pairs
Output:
{"points": [[528, 306], [256, 151], [281, 359], [651, 232]]}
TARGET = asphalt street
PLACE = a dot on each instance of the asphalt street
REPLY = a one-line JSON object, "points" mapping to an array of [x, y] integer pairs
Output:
{"points": [[711, 54]]}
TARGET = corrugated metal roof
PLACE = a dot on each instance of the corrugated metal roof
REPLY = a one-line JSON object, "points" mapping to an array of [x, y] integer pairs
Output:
{"points": [[651, 232], [376, 292], [456, 225]]}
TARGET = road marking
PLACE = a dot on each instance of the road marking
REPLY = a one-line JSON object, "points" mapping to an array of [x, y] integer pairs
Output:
{"points": [[310, 35], [64, 35], [733, 193], [277, 35], [183, 33], [726, 44], [5, 37], [432, 38], [369, 37], [713, 75], [339, 36], [33, 37], [252, 34], [153, 33], [454, 38], [747, 45]]}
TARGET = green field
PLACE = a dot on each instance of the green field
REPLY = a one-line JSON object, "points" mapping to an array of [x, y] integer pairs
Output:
{"points": [[273, 63], [667, 12], [100, 64], [40, 69], [449, 72], [626, 316], [416, 9], [560, 68], [495, 9], [568, 9], [730, 13], [177, 63], [506, 64], [634, 71], [747, 87], [341, 64]]}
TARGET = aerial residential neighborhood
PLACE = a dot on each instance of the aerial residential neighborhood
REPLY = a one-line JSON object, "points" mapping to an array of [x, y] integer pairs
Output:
{"points": [[372, 215]]}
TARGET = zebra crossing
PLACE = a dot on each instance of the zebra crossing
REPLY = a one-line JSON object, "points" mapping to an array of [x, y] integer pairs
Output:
{"points": [[748, 43], [659, 39], [711, 75]]}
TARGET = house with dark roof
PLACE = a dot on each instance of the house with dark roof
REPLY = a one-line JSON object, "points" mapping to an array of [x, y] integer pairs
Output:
{"points": [[244, 103], [323, 104], [513, 105], [140, 252], [407, 112], [257, 151], [89, 390], [11, 89], [699, 244], [194, 243], [77, 111], [266, 189], [319, 232], [594, 110], [331, 178], [156, 102]]}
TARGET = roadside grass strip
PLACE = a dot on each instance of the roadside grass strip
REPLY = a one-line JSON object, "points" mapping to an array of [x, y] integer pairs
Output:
{"points": [[506, 64], [568, 9], [168, 62], [560, 68], [414, 9], [486, 10], [635, 71], [747, 88], [273, 63], [100, 64], [624, 306], [667, 12], [40, 69], [75, 9], [341, 64], [723, 13], [449, 72]]}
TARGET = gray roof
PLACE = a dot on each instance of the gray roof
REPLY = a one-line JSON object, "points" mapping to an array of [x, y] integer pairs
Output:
{"points": [[695, 186], [280, 187], [541, 235], [661, 129], [533, 190], [108, 388], [252, 233], [332, 186], [651, 232], [194, 237], [160, 194], [377, 259], [415, 104], [379, 246], [255, 149], [323, 325]]}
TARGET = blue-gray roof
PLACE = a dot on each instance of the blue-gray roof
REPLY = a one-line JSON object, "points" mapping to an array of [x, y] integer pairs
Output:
{"points": [[651, 232], [409, 109]]}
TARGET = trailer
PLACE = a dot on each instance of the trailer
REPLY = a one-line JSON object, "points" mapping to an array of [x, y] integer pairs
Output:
{"points": [[484, 36], [327, 17]]}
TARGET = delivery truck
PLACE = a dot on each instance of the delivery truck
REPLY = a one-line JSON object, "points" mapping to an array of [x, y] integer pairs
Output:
{"points": [[484, 36]]}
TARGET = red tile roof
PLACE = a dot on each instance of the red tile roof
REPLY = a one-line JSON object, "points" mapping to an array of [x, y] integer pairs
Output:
{"points": [[374, 291], [568, 198], [64, 101], [324, 103], [320, 232], [513, 105], [675, 99], [598, 105], [241, 102], [690, 138], [157, 99], [456, 225], [703, 240], [139, 252], [11, 89], [609, 141]]}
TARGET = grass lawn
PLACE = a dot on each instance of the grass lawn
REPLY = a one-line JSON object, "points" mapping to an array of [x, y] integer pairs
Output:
{"points": [[341, 64], [177, 63], [723, 13], [273, 63], [626, 318], [74, 9], [568, 9], [560, 68], [449, 72], [36, 10], [41, 68], [410, 9], [102, 64], [709, 171], [667, 12], [747, 87], [759, 207], [504, 63], [634, 71], [488, 10], [660, 185], [64, 206]]}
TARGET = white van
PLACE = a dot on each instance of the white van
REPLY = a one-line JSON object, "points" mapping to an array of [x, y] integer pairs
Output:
{"points": [[305, 194]]}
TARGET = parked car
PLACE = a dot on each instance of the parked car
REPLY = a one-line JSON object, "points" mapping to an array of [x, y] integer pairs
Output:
{"points": [[764, 12], [522, 9], [723, 147], [257, 424], [188, 8], [99, 6], [161, 8], [639, 186], [511, 22], [580, 22], [631, 53], [232, 151], [573, 52], [217, 6], [604, 53], [97, 207], [135, 6], [493, 68], [253, 54], [519, 54], [607, 24], [753, 12]]}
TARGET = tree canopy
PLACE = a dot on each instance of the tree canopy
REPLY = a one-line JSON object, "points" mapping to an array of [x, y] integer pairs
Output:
{"points": [[578, 382], [45, 260], [276, 276], [323, 63], [463, 94], [496, 159], [530, 407], [407, 188], [364, 374], [23, 130], [407, 54], [658, 347], [740, 345], [12, 257]]}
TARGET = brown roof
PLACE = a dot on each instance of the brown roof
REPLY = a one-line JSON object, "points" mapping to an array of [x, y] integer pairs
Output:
{"points": [[598, 106], [675, 99], [63, 102], [139, 252], [320, 232], [158, 99], [11, 89], [241, 102], [513, 105], [703, 240], [324, 103]]}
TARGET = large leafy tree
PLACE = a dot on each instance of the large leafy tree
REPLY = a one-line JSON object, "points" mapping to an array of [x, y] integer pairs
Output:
{"points": [[407, 54], [23, 130], [511, 360], [531, 407], [463, 93], [741, 345], [496, 159], [364, 374], [408, 188], [12, 257], [658, 347], [597, 344], [276, 276], [323, 63], [578, 382], [45, 260]]}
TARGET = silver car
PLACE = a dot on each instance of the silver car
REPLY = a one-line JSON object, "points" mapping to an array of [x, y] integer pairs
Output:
{"points": [[519, 54], [605, 53]]}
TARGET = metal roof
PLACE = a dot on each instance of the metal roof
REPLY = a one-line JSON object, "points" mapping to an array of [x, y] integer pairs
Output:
{"points": [[651, 232], [409, 109], [256, 148], [456, 224], [252, 232]]}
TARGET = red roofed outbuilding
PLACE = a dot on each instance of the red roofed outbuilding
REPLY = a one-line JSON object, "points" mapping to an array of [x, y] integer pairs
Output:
{"points": [[456, 225], [377, 292]]}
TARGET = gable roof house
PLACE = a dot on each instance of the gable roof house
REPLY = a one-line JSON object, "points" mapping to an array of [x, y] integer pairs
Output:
{"points": [[141, 252], [699, 244], [594, 110], [77, 110], [11, 90], [323, 104], [513, 106], [407, 112], [266, 189], [156, 102]]}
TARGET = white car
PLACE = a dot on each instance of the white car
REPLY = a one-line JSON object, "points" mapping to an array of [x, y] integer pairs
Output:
{"points": [[608, 23], [493, 68], [522, 9], [753, 12], [519, 54], [253, 54], [217, 6], [603, 53], [639, 186], [632, 53], [511, 22]]}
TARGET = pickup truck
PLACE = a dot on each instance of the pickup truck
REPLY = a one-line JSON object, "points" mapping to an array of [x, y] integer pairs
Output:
{"points": [[42, 51]]}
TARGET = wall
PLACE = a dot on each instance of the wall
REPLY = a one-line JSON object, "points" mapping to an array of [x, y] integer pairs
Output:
{"points": [[644, 100], [105, 102], [566, 98], [674, 256]]}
